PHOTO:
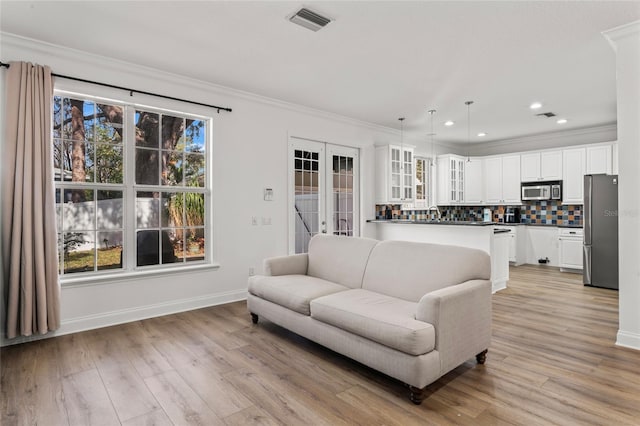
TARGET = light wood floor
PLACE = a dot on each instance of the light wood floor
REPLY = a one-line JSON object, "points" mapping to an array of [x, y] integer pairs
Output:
{"points": [[552, 361]]}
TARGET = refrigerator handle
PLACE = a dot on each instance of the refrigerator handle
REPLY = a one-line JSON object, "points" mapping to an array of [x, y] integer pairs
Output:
{"points": [[586, 264], [588, 212]]}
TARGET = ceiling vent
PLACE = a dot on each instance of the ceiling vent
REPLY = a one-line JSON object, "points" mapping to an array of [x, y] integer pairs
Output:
{"points": [[546, 114], [309, 19]]}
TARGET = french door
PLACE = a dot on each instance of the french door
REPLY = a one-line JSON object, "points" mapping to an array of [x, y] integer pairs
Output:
{"points": [[323, 191]]}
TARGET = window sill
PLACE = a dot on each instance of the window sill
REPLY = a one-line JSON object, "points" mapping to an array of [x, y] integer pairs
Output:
{"points": [[134, 275]]}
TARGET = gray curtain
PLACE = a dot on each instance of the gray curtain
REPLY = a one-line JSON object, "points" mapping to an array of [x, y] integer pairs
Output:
{"points": [[29, 254]]}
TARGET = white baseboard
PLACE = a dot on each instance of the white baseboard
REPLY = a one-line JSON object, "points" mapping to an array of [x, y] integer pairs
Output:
{"points": [[106, 319], [498, 285], [628, 340]]}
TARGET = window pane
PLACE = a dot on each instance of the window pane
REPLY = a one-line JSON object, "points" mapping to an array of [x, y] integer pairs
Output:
{"points": [[147, 172], [147, 248], [177, 238], [109, 250], [194, 174], [147, 129], [149, 245], [172, 209], [194, 208], [57, 117], [109, 123], [66, 115], [88, 115], [89, 168], [195, 136], [109, 164], [79, 252], [110, 210], [79, 209], [172, 168], [147, 209], [172, 131], [195, 245]]}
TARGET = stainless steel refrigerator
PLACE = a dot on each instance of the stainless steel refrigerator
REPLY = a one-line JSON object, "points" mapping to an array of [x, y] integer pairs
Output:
{"points": [[601, 231]]}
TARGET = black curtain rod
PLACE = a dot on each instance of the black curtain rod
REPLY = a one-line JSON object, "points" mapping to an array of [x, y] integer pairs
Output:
{"points": [[132, 91]]}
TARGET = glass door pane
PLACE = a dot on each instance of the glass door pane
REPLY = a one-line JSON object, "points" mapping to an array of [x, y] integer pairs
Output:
{"points": [[342, 191], [306, 194]]}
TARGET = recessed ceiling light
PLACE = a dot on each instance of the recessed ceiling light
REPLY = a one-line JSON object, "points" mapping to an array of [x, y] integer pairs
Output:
{"points": [[561, 121], [482, 134], [449, 123], [535, 105]]}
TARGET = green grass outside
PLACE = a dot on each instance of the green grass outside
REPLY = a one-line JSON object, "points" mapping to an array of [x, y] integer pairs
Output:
{"points": [[82, 261]]}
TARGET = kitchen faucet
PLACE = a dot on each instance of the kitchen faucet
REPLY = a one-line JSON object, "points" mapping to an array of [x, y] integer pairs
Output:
{"points": [[438, 215]]}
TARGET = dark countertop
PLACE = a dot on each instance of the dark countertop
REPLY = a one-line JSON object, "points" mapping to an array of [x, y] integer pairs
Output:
{"points": [[467, 223], [431, 222]]}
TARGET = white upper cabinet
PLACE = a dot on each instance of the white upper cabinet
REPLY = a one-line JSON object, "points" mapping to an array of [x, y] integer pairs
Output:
{"points": [[502, 179], [474, 181], [599, 159], [614, 158], [573, 175], [510, 185], [537, 166], [530, 167], [394, 174], [451, 179]]}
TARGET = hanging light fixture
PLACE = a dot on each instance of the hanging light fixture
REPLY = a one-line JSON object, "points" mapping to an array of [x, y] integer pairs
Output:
{"points": [[431, 134], [401, 119], [468, 104]]}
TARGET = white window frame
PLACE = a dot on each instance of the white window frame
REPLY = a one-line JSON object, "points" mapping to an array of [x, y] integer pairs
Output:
{"points": [[130, 188]]}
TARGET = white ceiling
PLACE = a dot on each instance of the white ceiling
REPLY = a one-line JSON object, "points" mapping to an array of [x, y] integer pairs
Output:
{"points": [[376, 62]]}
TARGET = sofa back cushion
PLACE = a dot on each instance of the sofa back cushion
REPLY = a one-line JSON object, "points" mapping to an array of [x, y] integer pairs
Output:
{"points": [[409, 270], [341, 260]]}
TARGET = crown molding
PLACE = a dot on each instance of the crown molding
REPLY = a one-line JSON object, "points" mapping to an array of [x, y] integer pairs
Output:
{"points": [[613, 35], [579, 136], [68, 58]]}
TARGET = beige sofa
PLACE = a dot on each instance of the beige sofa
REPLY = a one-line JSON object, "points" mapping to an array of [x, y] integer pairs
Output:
{"points": [[410, 310]]}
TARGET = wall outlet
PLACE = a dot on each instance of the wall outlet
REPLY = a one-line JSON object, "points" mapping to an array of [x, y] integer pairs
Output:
{"points": [[266, 221], [254, 221], [251, 272]]}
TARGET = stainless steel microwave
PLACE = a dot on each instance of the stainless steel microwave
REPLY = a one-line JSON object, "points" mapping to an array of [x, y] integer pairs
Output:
{"points": [[542, 191]]}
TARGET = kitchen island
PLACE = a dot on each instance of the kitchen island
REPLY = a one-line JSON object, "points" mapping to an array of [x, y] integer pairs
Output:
{"points": [[479, 235]]}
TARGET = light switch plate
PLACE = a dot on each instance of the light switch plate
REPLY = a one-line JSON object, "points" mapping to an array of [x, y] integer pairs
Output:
{"points": [[268, 194]]}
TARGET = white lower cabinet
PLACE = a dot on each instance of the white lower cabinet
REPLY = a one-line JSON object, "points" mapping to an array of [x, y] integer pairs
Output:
{"points": [[516, 236], [570, 248]]}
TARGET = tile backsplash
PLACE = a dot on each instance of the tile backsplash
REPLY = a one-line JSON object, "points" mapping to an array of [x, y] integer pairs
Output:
{"points": [[550, 212]]}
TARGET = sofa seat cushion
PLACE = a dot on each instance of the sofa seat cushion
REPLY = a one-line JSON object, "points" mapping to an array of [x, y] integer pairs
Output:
{"points": [[292, 291], [387, 320]]}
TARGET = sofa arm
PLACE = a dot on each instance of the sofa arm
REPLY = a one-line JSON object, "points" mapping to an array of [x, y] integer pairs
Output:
{"points": [[461, 316], [295, 264]]}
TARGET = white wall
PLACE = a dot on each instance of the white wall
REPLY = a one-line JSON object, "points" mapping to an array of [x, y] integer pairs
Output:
{"points": [[625, 41], [249, 154]]}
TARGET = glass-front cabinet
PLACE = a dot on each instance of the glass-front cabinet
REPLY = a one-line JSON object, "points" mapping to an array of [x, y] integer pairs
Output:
{"points": [[422, 183], [450, 171], [395, 166]]}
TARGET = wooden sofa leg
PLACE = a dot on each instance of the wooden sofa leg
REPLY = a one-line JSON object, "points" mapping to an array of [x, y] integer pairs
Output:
{"points": [[482, 357], [254, 318], [417, 394]]}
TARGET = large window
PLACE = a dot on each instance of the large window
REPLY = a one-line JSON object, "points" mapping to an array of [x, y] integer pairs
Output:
{"points": [[131, 186]]}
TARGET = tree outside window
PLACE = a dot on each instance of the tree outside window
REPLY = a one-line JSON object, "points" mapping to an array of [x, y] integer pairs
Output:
{"points": [[92, 143]]}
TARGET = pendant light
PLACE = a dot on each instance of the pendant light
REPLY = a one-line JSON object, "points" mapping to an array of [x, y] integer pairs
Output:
{"points": [[401, 119], [468, 104], [431, 134]]}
